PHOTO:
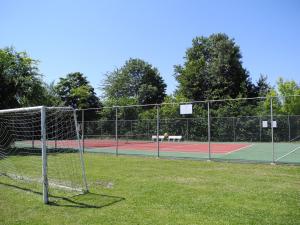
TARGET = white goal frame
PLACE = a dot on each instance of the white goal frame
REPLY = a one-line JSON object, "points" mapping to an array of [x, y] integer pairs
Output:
{"points": [[42, 110]]}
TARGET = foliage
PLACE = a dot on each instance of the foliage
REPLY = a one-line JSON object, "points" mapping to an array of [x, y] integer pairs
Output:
{"points": [[285, 100], [212, 69], [20, 81], [75, 91], [109, 111], [263, 87], [136, 79], [291, 103]]}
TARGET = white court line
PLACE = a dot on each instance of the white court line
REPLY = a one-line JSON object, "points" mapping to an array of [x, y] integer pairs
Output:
{"points": [[287, 154], [248, 146]]}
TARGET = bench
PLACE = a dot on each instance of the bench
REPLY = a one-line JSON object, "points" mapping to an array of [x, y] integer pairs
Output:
{"points": [[175, 138], [160, 137]]}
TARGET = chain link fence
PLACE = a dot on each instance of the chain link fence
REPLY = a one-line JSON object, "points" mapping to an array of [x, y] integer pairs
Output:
{"points": [[265, 129]]}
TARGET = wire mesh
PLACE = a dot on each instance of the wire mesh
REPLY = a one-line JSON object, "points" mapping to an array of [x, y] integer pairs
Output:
{"points": [[21, 150], [230, 129], [184, 130], [98, 129], [20, 156], [137, 131], [286, 127]]}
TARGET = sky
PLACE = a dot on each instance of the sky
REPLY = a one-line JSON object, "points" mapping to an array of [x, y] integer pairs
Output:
{"points": [[95, 37]]}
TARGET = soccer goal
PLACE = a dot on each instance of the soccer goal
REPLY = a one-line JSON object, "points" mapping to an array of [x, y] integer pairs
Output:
{"points": [[40, 147]]}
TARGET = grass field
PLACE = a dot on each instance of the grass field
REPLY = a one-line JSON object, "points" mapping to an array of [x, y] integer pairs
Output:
{"points": [[139, 190]]}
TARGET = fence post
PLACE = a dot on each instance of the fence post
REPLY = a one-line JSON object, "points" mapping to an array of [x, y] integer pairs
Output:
{"points": [[117, 141], [101, 129], [233, 127], [148, 134], [272, 131], [82, 129], [260, 128], [187, 128], [208, 130], [33, 135], [55, 132], [289, 125], [157, 129]]}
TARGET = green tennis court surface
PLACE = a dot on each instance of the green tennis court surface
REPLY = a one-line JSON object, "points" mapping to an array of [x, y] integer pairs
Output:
{"points": [[260, 152], [284, 152]]}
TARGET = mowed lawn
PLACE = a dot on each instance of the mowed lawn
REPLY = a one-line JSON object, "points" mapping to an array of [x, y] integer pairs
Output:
{"points": [[137, 190]]}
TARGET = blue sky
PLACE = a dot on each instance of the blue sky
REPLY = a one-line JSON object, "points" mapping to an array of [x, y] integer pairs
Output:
{"points": [[94, 37]]}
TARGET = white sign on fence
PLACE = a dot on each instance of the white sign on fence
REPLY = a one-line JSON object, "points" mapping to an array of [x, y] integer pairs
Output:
{"points": [[265, 124], [275, 124], [186, 109]]}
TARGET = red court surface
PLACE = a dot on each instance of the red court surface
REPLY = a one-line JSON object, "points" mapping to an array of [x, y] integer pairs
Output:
{"points": [[191, 147]]}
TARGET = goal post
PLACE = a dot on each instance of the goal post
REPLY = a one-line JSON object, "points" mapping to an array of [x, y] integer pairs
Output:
{"points": [[44, 155], [41, 147]]}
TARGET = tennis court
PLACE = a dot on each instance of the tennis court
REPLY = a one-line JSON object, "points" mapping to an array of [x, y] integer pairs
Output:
{"points": [[233, 130], [284, 152], [260, 152]]}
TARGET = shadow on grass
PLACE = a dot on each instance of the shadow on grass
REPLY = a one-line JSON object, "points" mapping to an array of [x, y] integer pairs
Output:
{"points": [[86, 200]]}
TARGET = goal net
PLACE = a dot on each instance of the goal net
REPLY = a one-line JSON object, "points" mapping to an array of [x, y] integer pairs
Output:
{"points": [[41, 150]]}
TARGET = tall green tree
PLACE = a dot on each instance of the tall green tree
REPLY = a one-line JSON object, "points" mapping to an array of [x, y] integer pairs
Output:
{"points": [[75, 90], [136, 79], [285, 99], [213, 69], [263, 87], [290, 89], [21, 83]]}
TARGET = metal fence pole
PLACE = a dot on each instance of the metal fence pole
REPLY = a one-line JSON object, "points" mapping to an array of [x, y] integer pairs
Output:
{"points": [[187, 129], [55, 139], [260, 128], [272, 131], [101, 129], [117, 141], [208, 131], [289, 125], [148, 134], [233, 127], [33, 135], [82, 129], [157, 129]]}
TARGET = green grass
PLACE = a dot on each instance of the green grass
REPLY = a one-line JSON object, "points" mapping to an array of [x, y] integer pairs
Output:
{"points": [[137, 190]]}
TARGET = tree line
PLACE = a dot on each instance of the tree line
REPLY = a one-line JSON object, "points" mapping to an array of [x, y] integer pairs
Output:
{"points": [[212, 69]]}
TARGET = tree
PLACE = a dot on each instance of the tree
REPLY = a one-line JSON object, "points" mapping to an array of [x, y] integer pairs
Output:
{"points": [[262, 86], [136, 79], [75, 91], [213, 70], [151, 88], [20, 81], [290, 89]]}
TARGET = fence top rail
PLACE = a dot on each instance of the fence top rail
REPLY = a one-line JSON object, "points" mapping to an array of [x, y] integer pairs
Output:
{"points": [[191, 118], [61, 107], [188, 102]]}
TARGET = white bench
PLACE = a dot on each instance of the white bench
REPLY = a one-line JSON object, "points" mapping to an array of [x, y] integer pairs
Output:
{"points": [[175, 138], [160, 137]]}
